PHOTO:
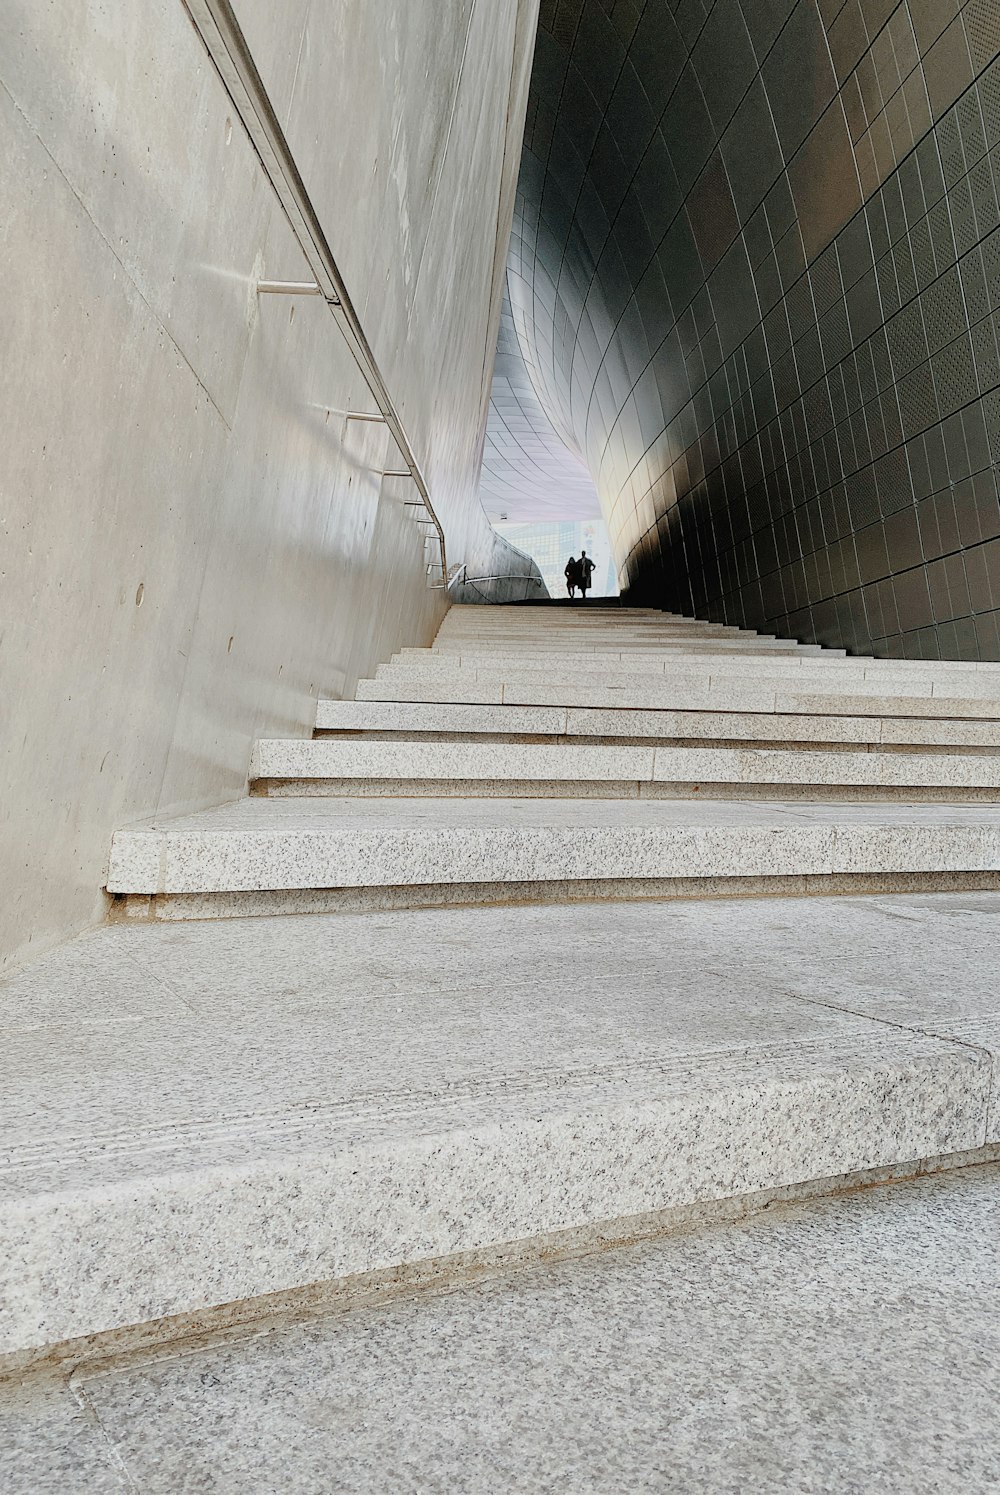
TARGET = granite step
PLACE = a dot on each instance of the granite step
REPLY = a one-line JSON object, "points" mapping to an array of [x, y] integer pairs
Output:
{"points": [[602, 847], [200, 1112], [597, 631], [833, 664], [669, 647], [602, 641], [832, 676], [409, 766], [826, 1343], [835, 672], [198, 1118], [860, 697], [455, 722], [581, 618], [571, 617]]}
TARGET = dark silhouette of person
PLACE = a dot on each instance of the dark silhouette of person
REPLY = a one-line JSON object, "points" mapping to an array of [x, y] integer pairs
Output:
{"points": [[570, 574], [584, 572]]}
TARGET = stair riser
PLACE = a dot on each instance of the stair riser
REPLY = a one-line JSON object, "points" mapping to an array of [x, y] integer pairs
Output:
{"points": [[509, 723], [788, 673], [267, 903], [810, 701], [147, 862], [831, 666], [555, 763], [93, 1261], [615, 789]]}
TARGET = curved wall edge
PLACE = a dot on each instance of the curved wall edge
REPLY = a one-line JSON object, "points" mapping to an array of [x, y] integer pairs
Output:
{"points": [[755, 276]]}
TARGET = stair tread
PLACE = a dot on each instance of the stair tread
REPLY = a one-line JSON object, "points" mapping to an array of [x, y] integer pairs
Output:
{"points": [[204, 1114]]}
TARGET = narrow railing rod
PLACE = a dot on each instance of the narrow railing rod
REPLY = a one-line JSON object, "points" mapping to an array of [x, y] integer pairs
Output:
{"points": [[288, 288], [534, 581], [216, 24], [460, 576]]}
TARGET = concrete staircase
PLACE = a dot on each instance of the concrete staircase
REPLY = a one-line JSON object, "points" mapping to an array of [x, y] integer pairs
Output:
{"points": [[557, 753], [206, 1114]]}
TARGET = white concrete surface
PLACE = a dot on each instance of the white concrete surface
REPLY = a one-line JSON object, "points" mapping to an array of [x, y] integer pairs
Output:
{"points": [[196, 544], [201, 1114]]}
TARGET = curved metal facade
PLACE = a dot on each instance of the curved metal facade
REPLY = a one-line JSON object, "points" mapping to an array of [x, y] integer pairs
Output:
{"points": [[755, 277]]}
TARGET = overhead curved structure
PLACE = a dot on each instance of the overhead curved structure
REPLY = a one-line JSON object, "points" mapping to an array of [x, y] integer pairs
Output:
{"points": [[754, 276], [528, 472]]}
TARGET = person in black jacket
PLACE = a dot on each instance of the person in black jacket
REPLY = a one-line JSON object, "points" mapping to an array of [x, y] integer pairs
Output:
{"points": [[584, 571], [571, 574]]}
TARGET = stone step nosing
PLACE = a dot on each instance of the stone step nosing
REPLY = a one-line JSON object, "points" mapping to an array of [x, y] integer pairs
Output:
{"points": [[277, 759], [716, 697], [323, 1197], [149, 862], [612, 723]]}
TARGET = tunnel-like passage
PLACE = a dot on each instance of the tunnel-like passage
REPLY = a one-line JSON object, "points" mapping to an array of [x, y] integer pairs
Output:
{"points": [[754, 275]]}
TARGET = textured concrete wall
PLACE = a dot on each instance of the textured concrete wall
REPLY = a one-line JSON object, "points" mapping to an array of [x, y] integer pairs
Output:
{"points": [[755, 275], [194, 546]]}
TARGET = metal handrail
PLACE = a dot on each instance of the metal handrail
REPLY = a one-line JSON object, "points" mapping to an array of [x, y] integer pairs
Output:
{"points": [[535, 581], [470, 581], [220, 32]]}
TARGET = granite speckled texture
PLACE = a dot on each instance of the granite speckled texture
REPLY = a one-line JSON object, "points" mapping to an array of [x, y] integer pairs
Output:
{"points": [[838, 677], [52, 1444], [825, 1348], [511, 762], [511, 721], [361, 716], [586, 660], [412, 684], [718, 693], [301, 843], [257, 1108], [181, 906], [294, 1101]]}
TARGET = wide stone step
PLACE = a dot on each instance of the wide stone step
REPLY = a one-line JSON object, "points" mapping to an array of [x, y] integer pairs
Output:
{"points": [[678, 647], [505, 613], [456, 721], [599, 638], [760, 1324], [203, 1116], [836, 672], [600, 643], [553, 763], [711, 692], [580, 621], [950, 678], [287, 844], [586, 629], [721, 658]]}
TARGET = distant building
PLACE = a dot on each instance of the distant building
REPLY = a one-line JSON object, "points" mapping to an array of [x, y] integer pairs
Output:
{"points": [[550, 544]]}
